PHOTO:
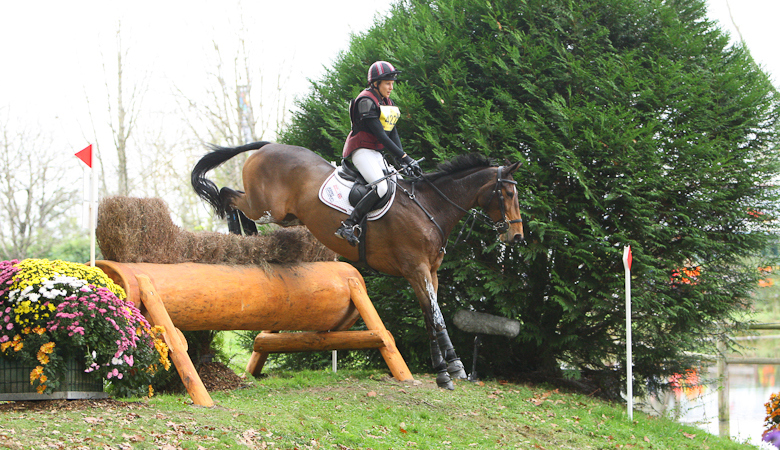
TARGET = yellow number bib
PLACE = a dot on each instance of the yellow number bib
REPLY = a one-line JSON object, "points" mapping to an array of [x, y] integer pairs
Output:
{"points": [[388, 116]]}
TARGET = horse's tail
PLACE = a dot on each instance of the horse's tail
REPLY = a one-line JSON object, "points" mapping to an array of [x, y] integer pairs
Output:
{"points": [[205, 188]]}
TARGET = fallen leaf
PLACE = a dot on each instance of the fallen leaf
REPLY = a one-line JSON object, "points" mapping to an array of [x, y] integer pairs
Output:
{"points": [[689, 436], [93, 420], [647, 439], [371, 394]]}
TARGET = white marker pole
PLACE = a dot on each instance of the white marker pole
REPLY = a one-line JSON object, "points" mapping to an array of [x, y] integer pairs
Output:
{"points": [[627, 259], [92, 214], [86, 156]]}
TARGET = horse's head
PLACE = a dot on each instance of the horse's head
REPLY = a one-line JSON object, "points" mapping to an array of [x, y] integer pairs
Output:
{"points": [[499, 199]]}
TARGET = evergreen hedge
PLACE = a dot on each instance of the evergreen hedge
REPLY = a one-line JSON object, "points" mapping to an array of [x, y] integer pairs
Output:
{"points": [[638, 124]]}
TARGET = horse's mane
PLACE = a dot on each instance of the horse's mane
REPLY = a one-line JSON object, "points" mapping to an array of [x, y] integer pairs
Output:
{"points": [[459, 164]]}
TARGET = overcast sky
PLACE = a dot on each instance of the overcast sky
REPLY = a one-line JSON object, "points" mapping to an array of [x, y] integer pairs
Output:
{"points": [[53, 52]]}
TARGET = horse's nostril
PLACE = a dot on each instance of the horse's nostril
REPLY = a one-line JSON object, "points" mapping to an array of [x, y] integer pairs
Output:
{"points": [[518, 238]]}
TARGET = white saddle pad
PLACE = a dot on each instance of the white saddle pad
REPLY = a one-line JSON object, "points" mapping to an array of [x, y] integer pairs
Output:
{"points": [[334, 192]]}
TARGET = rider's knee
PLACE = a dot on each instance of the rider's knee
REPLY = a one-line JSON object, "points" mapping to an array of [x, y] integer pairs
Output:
{"points": [[381, 189]]}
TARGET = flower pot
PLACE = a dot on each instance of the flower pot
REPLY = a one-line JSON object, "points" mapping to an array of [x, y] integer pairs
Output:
{"points": [[15, 383]]}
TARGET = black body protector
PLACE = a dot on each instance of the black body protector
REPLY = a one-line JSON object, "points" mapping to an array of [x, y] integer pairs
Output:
{"points": [[373, 125]]}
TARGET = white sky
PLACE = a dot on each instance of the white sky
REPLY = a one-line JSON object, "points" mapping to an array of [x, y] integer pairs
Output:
{"points": [[53, 52]]}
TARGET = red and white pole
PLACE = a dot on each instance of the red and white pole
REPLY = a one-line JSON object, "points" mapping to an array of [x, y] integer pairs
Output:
{"points": [[86, 156], [627, 259]]}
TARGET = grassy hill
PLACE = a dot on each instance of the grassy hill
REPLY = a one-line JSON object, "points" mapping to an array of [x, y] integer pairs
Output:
{"points": [[350, 410]]}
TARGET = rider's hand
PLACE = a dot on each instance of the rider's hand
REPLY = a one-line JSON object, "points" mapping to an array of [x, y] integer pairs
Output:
{"points": [[411, 168]]}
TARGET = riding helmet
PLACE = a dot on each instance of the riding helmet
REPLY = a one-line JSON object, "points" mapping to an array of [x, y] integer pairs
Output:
{"points": [[382, 70]]}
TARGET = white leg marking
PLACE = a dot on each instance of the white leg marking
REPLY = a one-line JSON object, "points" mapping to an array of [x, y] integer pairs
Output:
{"points": [[438, 318]]}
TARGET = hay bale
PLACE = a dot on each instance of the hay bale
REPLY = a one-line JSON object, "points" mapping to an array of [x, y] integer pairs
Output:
{"points": [[136, 230]]}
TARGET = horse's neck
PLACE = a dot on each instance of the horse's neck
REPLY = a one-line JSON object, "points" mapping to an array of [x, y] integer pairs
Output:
{"points": [[461, 192]]}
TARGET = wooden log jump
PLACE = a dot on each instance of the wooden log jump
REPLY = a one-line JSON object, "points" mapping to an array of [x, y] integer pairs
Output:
{"points": [[320, 299]]}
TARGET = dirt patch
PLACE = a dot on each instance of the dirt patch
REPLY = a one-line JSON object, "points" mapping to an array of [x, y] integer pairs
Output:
{"points": [[106, 404], [218, 377]]}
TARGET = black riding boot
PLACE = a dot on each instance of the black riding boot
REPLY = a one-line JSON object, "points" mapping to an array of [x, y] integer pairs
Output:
{"points": [[350, 228]]}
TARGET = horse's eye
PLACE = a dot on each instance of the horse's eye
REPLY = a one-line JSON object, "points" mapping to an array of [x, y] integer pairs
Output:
{"points": [[510, 193]]}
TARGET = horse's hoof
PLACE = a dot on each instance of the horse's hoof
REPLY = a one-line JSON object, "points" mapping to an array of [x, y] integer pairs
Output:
{"points": [[456, 370], [444, 381]]}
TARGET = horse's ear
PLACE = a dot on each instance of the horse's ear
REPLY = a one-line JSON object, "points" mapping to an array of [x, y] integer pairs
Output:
{"points": [[513, 167]]}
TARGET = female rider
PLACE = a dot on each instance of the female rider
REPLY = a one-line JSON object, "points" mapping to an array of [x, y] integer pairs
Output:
{"points": [[373, 116]]}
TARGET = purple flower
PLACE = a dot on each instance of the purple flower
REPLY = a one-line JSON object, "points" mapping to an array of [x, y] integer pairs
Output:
{"points": [[773, 437]]}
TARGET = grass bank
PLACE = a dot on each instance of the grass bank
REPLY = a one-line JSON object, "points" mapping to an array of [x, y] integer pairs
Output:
{"points": [[349, 410]]}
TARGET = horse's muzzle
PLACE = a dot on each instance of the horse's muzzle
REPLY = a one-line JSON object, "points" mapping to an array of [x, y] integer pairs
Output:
{"points": [[516, 238], [510, 237]]}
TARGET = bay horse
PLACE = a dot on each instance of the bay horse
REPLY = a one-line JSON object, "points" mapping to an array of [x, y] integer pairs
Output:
{"points": [[281, 185]]}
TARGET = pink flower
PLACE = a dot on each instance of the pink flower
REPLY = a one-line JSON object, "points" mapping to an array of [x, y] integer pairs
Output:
{"points": [[10, 326]]}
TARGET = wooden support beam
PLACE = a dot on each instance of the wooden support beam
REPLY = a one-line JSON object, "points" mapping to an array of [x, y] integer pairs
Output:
{"points": [[177, 348], [389, 352], [317, 341], [257, 360]]}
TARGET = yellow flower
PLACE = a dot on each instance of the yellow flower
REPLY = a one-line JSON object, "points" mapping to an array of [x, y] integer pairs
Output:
{"points": [[41, 389], [18, 346], [47, 347], [162, 349], [39, 330], [26, 330], [151, 390], [4, 346]]}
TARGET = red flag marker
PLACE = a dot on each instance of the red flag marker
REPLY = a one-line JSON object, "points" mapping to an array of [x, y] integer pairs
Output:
{"points": [[86, 155], [627, 257]]}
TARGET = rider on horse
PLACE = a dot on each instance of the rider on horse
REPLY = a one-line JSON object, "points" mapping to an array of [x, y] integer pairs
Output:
{"points": [[373, 116]]}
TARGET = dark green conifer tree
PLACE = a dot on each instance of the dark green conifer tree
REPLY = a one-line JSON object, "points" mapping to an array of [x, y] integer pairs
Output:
{"points": [[638, 124]]}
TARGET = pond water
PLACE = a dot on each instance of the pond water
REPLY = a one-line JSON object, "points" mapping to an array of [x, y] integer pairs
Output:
{"points": [[749, 389]]}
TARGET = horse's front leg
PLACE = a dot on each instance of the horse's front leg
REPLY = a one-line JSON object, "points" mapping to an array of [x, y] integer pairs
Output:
{"points": [[425, 289], [454, 364]]}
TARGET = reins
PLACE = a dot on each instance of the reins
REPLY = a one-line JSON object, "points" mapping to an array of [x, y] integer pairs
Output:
{"points": [[501, 226]]}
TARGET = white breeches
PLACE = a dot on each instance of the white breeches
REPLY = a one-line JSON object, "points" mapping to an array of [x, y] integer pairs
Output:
{"points": [[371, 164]]}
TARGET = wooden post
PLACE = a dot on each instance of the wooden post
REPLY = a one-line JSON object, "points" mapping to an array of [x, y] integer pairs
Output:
{"points": [[723, 392], [177, 348], [257, 360], [389, 351]]}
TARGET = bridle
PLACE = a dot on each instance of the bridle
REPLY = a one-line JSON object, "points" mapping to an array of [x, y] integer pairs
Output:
{"points": [[501, 226]]}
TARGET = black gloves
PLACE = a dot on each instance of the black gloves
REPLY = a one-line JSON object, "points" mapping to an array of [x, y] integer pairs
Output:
{"points": [[411, 168]]}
